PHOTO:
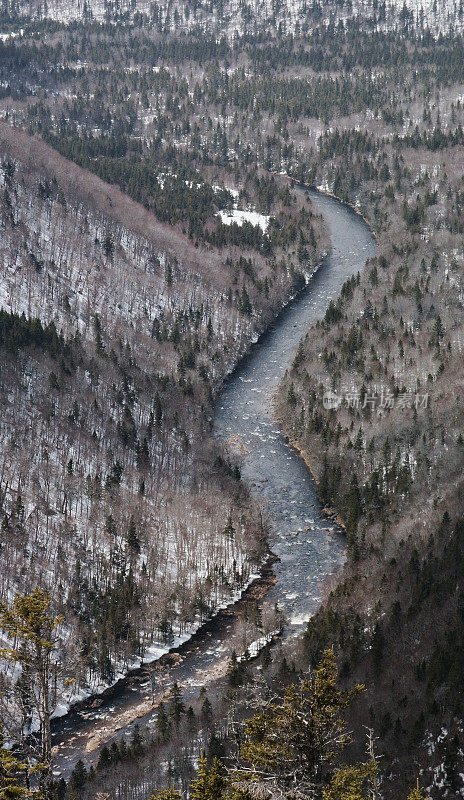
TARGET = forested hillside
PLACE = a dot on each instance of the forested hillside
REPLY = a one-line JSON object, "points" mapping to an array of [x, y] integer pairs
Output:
{"points": [[115, 332], [232, 17], [374, 402], [148, 234]]}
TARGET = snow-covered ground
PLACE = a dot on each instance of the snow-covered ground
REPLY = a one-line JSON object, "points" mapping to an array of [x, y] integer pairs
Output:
{"points": [[235, 215], [235, 17], [11, 35], [52, 266], [154, 652]]}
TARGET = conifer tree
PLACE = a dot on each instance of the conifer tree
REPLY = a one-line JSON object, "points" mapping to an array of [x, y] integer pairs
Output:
{"points": [[158, 409], [351, 783], [13, 774], [78, 778], [104, 759], [166, 794], [206, 710], [234, 670], [162, 723], [136, 745], [133, 541], [176, 705], [33, 632], [209, 783], [294, 742], [417, 793]]}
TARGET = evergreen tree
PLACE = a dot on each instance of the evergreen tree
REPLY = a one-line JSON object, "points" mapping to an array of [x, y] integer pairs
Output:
{"points": [[417, 793], [215, 746], [104, 759], [176, 705], [133, 541], [351, 783], [33, 630], [162, 723], [235, 670], [122, 750], [158, 410], [136, 746], [114, 753], [295, 741], [108, 247], [166, 794], [13, 776], [78, 778], [206, 710], [209, 784]]}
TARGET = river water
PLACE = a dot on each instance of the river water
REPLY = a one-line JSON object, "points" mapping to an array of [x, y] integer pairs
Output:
{"points": [[308, 545]]}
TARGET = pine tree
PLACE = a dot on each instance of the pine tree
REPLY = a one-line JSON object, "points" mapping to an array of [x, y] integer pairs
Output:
{"points": [[209, 783], [206, 710], [108, 247], [78, 778], [122, 750], [12, 774], [166, 794], [33, 630], [295, 741], [133, 541], [104, 759], [351, 783], [158, 409], [235, 670], [136, 746], [215, 746], [176, 705], [114, 753], [162, 723], [417, 793]]}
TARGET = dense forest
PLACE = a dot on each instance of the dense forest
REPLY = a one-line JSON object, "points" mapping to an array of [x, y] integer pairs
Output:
{"points": [[149, 232], [105, 425]]}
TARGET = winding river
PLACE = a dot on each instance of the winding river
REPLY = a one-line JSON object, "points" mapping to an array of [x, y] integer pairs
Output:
{"points": [[308, 545]]}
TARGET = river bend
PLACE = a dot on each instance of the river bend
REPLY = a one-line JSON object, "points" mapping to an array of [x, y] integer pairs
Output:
{"points": [[308, 545]]}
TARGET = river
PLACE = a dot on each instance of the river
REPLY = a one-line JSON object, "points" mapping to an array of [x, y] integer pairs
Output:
{"points": [[308, 545]]}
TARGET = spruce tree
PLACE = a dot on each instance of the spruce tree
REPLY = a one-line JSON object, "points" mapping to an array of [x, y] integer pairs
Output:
{"points": [[210, 783], [166, 794], [417, 793], [295, 741], [206, 710], [78, 778], [162, 724], [13, 776], [104, 759], [33, 631], [132, 538], [234, 671], [176, 705], [136, 746], [351, 783]]}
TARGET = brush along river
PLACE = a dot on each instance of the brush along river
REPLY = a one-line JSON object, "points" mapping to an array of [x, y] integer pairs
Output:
{"points": [[308, 545]]}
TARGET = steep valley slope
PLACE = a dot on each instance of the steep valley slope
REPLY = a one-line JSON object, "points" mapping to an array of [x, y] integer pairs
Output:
{"points": [[115, 333]]}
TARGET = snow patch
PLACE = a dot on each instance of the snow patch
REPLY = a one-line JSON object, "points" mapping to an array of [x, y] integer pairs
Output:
{"points": [[253, 217]]}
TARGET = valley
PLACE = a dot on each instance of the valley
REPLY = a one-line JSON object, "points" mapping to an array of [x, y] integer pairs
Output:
{"points": [[180, 308]]}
